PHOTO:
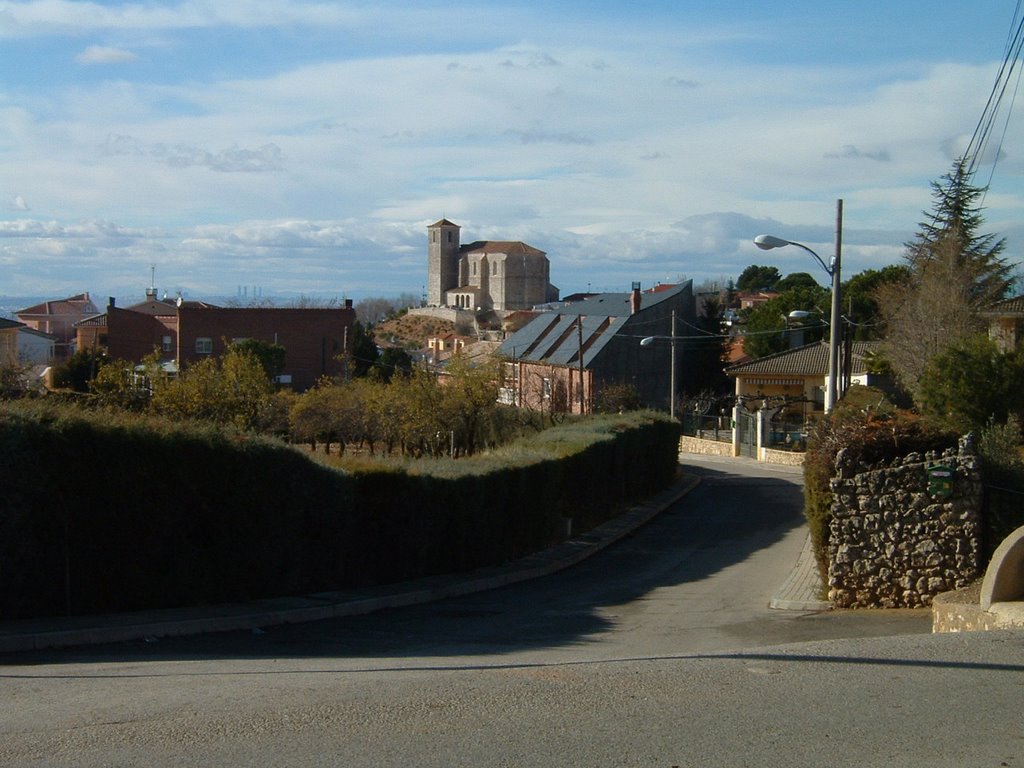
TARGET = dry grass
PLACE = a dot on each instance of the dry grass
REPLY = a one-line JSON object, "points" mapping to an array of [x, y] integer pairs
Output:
{"points": [[411, 331]]}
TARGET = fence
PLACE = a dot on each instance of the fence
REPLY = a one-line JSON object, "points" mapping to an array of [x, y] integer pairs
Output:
{"points": [[717, 428]]}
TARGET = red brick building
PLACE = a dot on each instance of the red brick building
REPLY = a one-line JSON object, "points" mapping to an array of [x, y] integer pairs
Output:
{"points": [[59, 319], [317, 341]]}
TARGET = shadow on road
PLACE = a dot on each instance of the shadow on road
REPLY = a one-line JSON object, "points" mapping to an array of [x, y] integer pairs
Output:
{"points": [[731, 516]]}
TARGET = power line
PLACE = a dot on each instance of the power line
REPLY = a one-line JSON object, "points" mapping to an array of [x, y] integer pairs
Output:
{"points": [[1009, 71]]}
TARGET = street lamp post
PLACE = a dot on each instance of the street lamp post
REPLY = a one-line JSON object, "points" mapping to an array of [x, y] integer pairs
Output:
{"points": [[767, 242], [672, 374]]}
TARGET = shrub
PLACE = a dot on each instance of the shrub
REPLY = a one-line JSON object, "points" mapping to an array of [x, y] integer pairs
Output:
{"points": [[869, 430]]}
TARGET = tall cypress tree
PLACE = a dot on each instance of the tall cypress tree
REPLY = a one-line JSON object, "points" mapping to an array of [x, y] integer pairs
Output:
{"points": [[955, 272], [951, 231]]}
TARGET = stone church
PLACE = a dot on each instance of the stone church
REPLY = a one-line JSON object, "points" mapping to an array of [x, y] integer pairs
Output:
{"points": [[486, 274]]}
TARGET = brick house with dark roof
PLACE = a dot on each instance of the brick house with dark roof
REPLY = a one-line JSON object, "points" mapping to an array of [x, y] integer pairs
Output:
{"points": [[58, 318], [563, 358], [317, 341]]}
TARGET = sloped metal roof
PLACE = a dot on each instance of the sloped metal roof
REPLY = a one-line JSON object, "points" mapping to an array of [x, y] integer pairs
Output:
{"points": [[554, 336]]}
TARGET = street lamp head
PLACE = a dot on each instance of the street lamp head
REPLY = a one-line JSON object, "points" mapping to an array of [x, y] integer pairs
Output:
{"points": [[767, 242], [646, 342]]}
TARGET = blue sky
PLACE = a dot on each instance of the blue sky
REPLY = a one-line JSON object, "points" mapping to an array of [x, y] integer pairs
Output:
{"points": [[303, 147]]}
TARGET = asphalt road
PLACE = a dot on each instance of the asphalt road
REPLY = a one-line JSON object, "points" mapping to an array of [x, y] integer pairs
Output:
{"points": [[659, 651]]}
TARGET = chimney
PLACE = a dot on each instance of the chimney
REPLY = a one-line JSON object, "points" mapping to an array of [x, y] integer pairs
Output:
{"points": [[348, 303], [634, 299], [110, 301]]}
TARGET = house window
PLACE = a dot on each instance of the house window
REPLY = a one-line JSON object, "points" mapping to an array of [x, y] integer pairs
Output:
{"points": [[494, 268], [204, 346], [166, 346], [546, 389]]}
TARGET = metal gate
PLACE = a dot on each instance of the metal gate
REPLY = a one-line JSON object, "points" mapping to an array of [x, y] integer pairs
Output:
{"points": [[746, 424]]}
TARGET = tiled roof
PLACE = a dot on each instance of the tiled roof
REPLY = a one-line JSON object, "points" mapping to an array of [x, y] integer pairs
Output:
{"points": [[809, 360], [445, 223], [70, 305], [1014, 306], [156, 307], [509, 247], [97, 321]]}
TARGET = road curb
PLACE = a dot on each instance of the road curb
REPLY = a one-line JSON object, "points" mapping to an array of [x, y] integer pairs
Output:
{"points": [[32, 635]]}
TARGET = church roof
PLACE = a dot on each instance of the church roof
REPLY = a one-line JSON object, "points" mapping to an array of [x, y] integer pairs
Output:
{"points": [[508, 247], [443, 223]]}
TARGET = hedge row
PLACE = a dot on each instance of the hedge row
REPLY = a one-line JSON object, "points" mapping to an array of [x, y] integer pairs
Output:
{"points": [[112, 513]]}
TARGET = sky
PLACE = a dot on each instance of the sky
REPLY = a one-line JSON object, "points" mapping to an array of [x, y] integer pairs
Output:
{"points": [[299, 149]]}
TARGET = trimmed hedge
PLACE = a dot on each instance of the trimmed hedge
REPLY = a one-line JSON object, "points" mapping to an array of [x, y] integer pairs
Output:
{"points": [[104, 513]]}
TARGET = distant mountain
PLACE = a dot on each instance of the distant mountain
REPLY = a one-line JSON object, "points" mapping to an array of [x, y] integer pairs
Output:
{"points": [[11, 304]]}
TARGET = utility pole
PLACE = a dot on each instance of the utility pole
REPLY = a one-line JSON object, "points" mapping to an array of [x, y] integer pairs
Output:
{"points": [[579, 328]]}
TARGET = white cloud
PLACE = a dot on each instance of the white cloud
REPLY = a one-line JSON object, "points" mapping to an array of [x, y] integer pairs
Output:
{"points": [[99, 54], [622, 160]]}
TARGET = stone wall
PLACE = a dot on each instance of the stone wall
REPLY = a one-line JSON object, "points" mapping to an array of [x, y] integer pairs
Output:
{"points": [[897, 537], [689, 444]]}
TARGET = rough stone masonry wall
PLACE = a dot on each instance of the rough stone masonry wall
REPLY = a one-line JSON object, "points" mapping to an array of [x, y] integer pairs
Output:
{"points": [[892, 544]]}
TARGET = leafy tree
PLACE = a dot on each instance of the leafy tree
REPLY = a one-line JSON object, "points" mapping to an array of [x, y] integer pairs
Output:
{"points": [[124, 384], [364, 350], [860, 298], [971, 383], [471, 393], [796, 280], [954, 273], [271, 356], [12, 381], [233, 389], [704, 362], [766, 324], [393, 361], [79, 370], [756, 277], [332, 412], [617, 398]]}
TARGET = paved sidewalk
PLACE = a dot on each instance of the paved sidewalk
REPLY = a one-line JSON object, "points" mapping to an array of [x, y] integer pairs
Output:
{"points": [[802, 589], [799, 592]]}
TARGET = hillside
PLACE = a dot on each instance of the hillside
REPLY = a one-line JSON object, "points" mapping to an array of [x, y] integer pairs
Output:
{"points": [[410, 331]]}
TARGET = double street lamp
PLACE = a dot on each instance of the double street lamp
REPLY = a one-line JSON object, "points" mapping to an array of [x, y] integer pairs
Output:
{"points": [[766, 243]]}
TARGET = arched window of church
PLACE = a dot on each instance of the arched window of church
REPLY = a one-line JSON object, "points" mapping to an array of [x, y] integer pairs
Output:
{"points": [[474, 269]]}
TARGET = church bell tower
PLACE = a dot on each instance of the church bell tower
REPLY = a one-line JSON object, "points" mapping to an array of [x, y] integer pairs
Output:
{"points": [[442, 260]]}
